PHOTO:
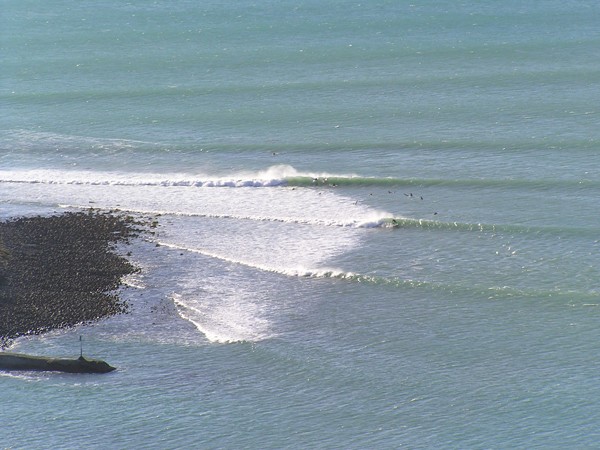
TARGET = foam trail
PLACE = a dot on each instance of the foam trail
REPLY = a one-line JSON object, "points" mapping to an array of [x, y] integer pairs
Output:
{"points": [[287, 205], [72, 177], [373, 220], [273, 176], [291, 271], [225, 323]]}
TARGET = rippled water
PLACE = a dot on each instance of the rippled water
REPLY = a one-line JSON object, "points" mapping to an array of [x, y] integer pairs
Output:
{"points": [[376, 222]]}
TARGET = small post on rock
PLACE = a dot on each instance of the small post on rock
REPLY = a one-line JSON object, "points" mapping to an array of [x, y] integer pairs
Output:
{"points": [[80, 346]]}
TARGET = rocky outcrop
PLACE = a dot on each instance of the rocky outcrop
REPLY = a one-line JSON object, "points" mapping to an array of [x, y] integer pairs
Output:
{"points": [[61, 270], [19, 361]]}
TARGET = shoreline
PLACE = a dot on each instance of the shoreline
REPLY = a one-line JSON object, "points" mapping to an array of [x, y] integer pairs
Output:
{"points": [[63, 270]]}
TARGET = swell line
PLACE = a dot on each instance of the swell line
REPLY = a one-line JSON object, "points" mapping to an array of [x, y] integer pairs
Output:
{"points": [[590, 298], [373, 221], [291, 272], [124, 180], [274, 176], [359, 181], [428, 224]]}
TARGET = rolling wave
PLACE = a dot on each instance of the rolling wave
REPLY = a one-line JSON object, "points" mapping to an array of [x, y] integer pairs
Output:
{"points": [[375, 221], [404, 222], [582, 298], [389, 182], [224, 324], [277, 176], [61, 177], [274, 176]]}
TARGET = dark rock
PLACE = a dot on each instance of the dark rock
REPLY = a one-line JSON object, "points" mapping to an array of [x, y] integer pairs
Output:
{"points": [[62, 270], [19, 361]]}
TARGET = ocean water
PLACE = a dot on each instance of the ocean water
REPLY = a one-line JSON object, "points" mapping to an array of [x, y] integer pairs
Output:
{"points": [[378, 221]]}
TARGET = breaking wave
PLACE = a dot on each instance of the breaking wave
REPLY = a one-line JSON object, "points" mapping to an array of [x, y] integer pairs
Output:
{"points": [[588, 298], [274, 176]]}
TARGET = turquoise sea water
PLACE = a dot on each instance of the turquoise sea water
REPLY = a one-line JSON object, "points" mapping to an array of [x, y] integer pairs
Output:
{"points": [[378, 220]]}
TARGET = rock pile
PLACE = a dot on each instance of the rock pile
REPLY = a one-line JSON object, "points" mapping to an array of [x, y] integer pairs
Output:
{"points": [[62, 270]]}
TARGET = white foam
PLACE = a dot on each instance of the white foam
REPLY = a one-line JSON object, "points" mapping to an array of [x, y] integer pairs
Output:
{"points": [[94, 178], [300, 205], [292, 271], [227, 322], [272, 176], [292, 232]]}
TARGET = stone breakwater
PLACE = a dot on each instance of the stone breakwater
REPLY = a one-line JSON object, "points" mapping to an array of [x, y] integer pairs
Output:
{"points": [[62, 270]]}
